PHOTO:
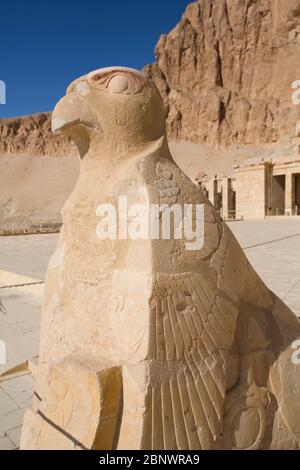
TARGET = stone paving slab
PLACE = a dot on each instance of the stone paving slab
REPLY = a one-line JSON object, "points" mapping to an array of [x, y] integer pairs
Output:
{"points": [[20, 388], [15, 395], [20, 323], [273, 247], [27, 255], [6, 444]]}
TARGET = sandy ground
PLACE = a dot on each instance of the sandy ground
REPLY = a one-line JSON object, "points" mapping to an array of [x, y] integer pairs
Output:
{"points": [[195, 159], [34, 189]]}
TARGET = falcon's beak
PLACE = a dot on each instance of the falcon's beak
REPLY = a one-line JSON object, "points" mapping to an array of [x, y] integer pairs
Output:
{"points": [[71, 110], [66, 113]]}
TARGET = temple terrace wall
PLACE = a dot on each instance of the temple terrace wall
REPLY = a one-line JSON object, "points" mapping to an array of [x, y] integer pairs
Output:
{"points": [[258, 189]]}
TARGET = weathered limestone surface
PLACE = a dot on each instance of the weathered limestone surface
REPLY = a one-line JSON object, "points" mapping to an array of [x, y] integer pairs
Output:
{"points": [[32, 135], [252, 188], [225, 71], [167, 348], [79, 392]]}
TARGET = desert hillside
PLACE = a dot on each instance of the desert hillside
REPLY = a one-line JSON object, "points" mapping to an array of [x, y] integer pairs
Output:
{"points": [[226, 69], [32, 135], [33, 190]]}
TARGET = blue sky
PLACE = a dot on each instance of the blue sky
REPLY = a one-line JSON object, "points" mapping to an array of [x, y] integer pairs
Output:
{"points": [[46, 44]]}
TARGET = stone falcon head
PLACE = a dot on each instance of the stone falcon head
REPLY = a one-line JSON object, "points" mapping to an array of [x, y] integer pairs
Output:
{"points": [[116, 106]]}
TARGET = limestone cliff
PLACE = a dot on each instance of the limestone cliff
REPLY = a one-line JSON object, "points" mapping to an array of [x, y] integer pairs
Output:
{"points": [[225, 71], [32, 135], [225, 74]]}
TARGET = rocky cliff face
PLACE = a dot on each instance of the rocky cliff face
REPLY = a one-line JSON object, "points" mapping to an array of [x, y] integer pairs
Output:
{"points": [[32, 135], [225, 74], [225, 71]]}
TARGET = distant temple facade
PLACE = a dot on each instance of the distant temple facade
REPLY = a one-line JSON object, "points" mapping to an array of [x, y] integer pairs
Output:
{"points": [[258, 188]]}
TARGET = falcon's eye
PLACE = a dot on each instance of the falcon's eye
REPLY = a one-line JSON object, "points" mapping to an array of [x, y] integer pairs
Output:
{"points": [[118, 84]]}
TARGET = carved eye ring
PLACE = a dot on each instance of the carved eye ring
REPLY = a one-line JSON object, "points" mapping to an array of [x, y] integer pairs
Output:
{"points": [[119, 84]]}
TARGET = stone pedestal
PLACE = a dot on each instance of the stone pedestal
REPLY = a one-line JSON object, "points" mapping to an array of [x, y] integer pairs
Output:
{"points": [[289, 194]]}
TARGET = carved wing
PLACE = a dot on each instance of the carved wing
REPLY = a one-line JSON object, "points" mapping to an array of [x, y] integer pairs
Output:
{"points": [[194, 311], [194, 328]]}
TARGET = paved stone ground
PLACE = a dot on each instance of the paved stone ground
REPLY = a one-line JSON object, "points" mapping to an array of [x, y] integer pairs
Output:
{"points": [[20, 320], [15, 396], [27, 255], [23, 260], [272, 246]]}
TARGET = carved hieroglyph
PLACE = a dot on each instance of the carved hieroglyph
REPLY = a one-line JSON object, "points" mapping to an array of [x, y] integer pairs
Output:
{"points": [[145, 344]]}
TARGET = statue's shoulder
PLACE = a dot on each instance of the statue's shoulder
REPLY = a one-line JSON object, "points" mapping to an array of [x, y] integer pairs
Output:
{"points": [[165, 179]]}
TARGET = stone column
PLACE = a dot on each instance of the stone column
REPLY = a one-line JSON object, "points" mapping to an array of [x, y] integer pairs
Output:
{"points": [[211, 186], [225, 198], [289, 194]]}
